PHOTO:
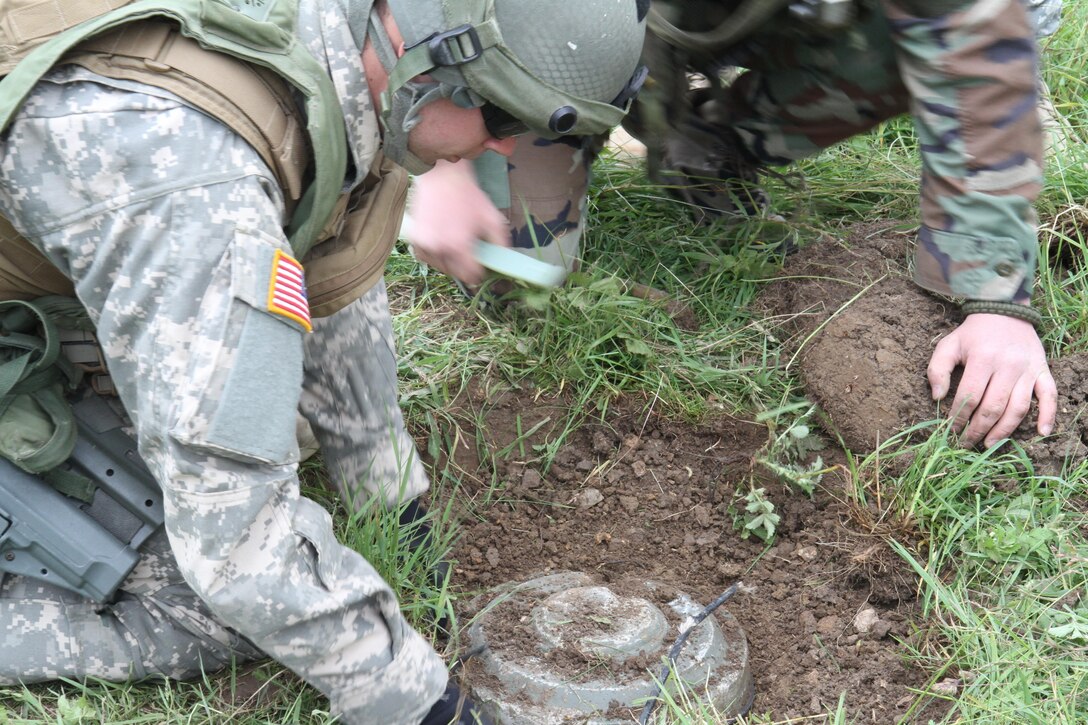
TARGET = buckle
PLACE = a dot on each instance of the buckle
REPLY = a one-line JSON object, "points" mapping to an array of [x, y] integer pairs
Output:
{"points": [[455, 53]]}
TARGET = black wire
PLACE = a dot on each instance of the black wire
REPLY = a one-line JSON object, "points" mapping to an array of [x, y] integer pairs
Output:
{"points": [[674, 651], [464, 658]]}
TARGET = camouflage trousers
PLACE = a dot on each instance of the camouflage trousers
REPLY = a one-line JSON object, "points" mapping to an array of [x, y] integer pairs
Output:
{"points": [[168, 229], [542, 189]]}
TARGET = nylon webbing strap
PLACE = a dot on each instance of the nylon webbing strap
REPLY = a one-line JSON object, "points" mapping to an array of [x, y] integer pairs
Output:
{"points": [[38, 353], [12, 371], [737, 26], [25, 22], [33, 379], [41, 363], [71, 484], [68, 312]]}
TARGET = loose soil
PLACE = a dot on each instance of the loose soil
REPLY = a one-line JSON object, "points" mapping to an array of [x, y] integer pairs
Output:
{"points": [[828, 609], [862, 334]]}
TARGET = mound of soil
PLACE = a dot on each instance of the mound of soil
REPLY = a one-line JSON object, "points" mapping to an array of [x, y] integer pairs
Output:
{"points": [[862, 334]]}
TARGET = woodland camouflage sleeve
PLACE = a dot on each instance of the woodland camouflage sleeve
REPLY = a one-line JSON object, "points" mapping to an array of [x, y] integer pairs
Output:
{"points": [[971, 71]]}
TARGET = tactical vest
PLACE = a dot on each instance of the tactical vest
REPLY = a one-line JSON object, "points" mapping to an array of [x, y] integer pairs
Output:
{"points": [[250, 85]]}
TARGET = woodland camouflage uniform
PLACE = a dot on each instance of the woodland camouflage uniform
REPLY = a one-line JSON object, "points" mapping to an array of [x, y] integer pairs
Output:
{"points": [[965, 70], [164, 218]]}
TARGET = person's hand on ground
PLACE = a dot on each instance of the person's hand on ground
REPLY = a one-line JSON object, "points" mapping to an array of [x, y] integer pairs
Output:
{"points": [[449, 213], [1004, 364]]}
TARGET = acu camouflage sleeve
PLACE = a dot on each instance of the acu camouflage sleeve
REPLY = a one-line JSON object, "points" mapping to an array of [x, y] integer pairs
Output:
{"points": [[971, 71]]}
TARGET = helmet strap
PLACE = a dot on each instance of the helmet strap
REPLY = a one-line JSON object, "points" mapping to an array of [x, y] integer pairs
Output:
{"points": [[383, 44], [401, 104], [358, 13], [403, 115]]}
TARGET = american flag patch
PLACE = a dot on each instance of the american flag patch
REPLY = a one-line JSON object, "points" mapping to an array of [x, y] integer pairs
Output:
{"points": [[287, 290]]}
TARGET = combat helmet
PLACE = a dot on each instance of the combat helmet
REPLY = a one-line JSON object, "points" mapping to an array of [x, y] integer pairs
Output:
{"points": [[552, 67]]}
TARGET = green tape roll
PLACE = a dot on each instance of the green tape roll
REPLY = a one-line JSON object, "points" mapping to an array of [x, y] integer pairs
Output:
{"points": [[509, 263]]}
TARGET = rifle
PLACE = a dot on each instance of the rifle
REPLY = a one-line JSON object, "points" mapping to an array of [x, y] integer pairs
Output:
{"points": [[85, 541]]}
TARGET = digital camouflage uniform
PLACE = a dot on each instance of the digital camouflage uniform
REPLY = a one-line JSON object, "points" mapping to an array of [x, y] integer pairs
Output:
{"points": [[1058, 135], [168, 224], [1046, 16], [966, 72]]}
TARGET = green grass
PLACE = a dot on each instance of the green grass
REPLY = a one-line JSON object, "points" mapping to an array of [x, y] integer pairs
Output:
{"points": [[1002, 564], [1000, 550]]}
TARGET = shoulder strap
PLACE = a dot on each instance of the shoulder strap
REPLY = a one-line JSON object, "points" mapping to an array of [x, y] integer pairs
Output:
{"points": [[739, 24]]}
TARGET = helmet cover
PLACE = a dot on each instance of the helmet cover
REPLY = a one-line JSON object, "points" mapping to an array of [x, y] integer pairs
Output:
{"points": [[560, 67]]}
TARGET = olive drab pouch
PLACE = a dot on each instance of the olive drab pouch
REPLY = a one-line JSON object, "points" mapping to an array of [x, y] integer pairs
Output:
{"points": [[25, 273], [37, 428], [350, 257]]}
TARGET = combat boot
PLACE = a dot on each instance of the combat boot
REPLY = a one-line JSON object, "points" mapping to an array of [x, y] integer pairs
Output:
{"points": [[455, 708], [712, 173], [417, 532]]}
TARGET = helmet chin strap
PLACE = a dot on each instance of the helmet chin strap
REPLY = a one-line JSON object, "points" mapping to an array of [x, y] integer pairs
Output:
{"points": [[403, 115], [401, 106]]}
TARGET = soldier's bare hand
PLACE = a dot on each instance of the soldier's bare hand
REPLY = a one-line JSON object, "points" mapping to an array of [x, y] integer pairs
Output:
{"points": [[1004, 364], [449, 213]]}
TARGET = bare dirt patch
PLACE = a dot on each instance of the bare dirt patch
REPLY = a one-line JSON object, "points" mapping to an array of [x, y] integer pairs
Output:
{"points": [[639, 496]]}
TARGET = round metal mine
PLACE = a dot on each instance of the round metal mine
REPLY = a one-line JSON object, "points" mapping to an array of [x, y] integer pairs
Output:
{"points": [[567, 648]]}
